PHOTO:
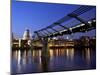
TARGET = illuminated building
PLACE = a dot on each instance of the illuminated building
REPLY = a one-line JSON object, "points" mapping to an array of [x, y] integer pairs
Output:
{"points": [[26, 35]]}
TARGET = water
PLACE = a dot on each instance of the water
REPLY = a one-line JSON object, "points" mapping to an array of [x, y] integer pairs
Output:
{"points": [[30, 61]]}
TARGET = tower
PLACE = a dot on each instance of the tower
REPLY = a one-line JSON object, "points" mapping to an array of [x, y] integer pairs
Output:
{"points": [[26, 35]]}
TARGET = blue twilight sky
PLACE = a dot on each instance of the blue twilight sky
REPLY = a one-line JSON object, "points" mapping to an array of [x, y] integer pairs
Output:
{"points": [[35, 15]]}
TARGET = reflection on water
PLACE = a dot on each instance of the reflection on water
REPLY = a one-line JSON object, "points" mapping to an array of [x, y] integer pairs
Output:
{"points": [[30, 61]]}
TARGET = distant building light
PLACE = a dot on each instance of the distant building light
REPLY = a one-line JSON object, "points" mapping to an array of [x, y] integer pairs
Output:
{"points": [[94, 20], [67, 37], [89, 22], [55, 38]]}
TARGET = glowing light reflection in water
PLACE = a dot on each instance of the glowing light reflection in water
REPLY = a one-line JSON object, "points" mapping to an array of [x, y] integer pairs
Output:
{"points": [[29, 61]]}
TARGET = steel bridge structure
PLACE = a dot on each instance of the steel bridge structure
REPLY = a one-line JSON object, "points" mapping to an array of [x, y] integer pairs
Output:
{"points": [[81, 20]]}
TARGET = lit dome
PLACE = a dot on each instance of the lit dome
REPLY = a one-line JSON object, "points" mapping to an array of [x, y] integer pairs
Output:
{"points": [[26, 35]]}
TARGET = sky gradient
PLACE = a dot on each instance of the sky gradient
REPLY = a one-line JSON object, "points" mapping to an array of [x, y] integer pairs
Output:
{"points": [[35, 16]]}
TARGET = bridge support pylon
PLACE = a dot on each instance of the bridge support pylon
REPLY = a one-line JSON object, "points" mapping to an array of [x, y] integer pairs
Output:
{"points": [[45, 55], [45, 49]]}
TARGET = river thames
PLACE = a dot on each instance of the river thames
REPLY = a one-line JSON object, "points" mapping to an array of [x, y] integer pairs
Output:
{"points": [[30, 61]]}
